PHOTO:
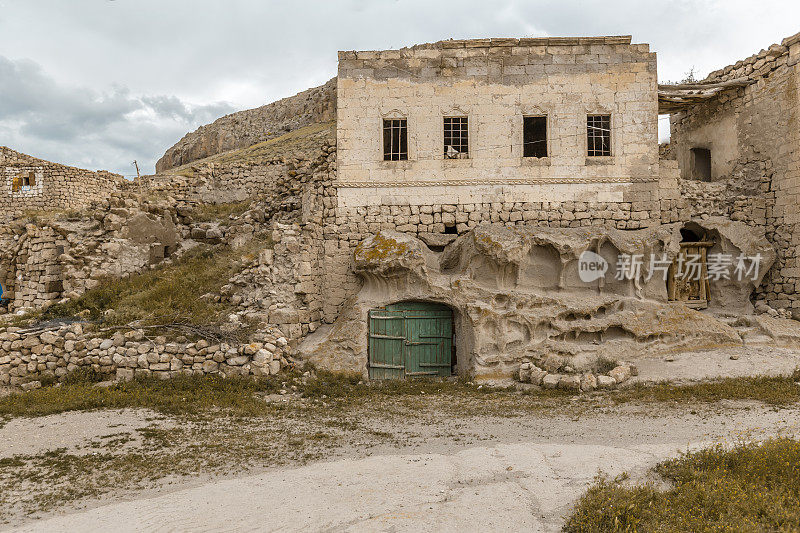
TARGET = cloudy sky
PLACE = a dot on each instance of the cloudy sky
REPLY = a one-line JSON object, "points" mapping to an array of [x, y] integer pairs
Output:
{"points": [[99, 83]]}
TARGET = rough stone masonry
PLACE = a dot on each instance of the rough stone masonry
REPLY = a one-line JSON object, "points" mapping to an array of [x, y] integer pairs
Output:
{"points": [[325, 190]]}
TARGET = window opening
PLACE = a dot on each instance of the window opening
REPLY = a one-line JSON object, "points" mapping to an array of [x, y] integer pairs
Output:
{"points": [[395, 139], [701, 164], [598, 132], [456, 138], [534, 136]]}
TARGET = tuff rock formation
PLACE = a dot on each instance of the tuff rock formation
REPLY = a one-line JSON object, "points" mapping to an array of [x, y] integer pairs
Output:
{"points": [[517, 296]]}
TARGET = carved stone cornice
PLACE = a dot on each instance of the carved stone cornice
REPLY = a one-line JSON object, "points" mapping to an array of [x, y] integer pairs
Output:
{"points": [[497, 181]]}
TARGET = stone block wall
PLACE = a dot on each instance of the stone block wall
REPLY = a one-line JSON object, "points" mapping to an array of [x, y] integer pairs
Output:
{"points": [[39, 273], [56, 186], [753, 133], [495, 83]]}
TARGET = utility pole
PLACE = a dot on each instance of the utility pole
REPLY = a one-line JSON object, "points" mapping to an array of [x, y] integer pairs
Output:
{"points": [[138, 178]]}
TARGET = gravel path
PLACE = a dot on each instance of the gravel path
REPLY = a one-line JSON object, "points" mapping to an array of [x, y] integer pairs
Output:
{"points": [[526, 476]]}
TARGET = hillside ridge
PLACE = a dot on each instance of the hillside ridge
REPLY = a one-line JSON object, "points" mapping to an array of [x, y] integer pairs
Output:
{"points": [[252, 126]]}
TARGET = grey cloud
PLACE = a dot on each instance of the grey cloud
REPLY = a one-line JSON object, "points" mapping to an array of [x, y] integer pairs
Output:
{"points": [[116, 125], [164, 54]]}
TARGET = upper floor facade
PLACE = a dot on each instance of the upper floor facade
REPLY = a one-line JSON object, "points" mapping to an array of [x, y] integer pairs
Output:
{"points": [[437, 120]]}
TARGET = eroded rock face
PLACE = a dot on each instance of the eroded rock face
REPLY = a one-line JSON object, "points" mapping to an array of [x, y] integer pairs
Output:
{"points": [[517, 295]]}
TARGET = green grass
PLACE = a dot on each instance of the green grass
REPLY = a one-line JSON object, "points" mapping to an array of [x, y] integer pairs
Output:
{"points": [[773, 390], [752, 487], [169, 293]]}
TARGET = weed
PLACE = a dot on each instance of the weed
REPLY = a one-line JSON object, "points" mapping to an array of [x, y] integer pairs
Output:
{"points": [[605, 365]]}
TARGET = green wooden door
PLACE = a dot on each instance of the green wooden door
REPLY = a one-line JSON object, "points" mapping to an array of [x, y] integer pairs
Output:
{"points": [[386, 344], [410, 339]]}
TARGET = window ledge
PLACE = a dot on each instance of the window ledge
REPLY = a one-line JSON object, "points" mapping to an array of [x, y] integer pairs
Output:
{"points": [[404, 164], [600, 160], [535, 161]]}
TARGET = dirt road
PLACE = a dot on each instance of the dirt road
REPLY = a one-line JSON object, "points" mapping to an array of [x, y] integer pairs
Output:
{"points": [[506, 474]]}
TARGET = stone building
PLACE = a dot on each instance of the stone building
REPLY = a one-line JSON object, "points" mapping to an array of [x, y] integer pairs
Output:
{"points": [[436, 141], [437, 225], [30, 183], [736, 138], [498, 120]]}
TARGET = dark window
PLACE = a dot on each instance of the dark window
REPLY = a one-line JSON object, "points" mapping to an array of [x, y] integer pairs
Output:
{"points": [[456, 138], [598, 133], [534, 136], [701, 164], [395, 139]]}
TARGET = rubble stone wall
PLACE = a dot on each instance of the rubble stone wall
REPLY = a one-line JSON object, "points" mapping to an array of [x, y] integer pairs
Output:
{"points": [[55, 186], [753, 133], [27, 358], [45, 260]]}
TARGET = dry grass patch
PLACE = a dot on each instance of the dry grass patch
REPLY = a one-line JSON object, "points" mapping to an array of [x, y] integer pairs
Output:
{"points": [[169, 293], [219, 212], [752, 487]]}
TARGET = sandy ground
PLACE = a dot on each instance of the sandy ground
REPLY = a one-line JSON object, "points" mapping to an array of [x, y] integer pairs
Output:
{"points": [[72, 431], [751, 360], [480, 473], [505, 474]]}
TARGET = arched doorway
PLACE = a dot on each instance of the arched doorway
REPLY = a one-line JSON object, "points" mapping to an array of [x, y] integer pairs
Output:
{"points": [[411, 339]]}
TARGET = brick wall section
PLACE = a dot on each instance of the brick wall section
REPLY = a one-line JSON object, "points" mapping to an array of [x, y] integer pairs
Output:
{"points": [[754, 136], [57, 186]]}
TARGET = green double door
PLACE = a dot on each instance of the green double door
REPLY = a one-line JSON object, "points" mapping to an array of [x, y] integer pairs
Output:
{"points": [[410, 339]]}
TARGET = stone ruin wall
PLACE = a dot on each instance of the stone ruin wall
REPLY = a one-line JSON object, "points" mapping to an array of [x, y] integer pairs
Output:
{"points": [[30, 357], [753, 133], [49, 258], [56, 186]]}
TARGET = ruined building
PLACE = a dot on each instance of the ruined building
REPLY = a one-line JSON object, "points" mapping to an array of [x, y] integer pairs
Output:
{"points": [[437, 225]]}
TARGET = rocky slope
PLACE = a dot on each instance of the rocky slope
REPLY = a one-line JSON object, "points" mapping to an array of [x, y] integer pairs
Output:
{"points": [[246, 128]]}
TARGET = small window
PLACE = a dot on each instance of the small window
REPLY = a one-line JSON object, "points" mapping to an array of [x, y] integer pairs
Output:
{"points": [[456, 138], [701, 164], [28, 180], [395, 139], [598, 133], [534, 136]]}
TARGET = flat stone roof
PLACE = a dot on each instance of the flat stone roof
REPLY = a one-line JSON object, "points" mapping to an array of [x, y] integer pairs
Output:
{"points": [[502, 41]]}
